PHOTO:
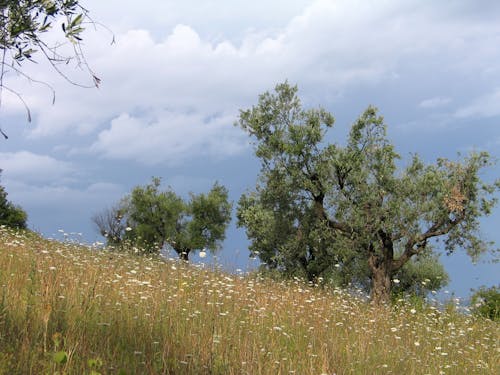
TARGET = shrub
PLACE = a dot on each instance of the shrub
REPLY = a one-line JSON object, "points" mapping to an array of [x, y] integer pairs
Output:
{"points": [[486, 303], [11, 215]]}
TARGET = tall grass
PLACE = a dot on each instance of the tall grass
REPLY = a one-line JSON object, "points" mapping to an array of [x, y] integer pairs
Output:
{"points": [[70, 309]]}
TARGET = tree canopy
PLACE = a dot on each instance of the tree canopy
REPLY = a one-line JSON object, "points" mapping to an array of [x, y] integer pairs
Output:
{"points": [[151, 218], [348, 211]]}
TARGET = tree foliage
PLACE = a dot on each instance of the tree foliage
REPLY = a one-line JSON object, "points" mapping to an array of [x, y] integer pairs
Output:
{"points": [[151, 219], [423, 273], [347, 210], [11, 215], [24, 34]]}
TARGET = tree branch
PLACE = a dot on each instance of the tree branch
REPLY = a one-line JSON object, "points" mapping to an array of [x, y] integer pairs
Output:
{"points": [[321, 213], [420, 241]]}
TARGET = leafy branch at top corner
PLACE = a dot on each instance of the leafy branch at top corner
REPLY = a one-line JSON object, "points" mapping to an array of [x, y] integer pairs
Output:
{"points": [[27, 30]]}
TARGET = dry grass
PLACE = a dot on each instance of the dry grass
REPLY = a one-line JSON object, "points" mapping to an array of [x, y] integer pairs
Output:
{"points": [[69, 309]]}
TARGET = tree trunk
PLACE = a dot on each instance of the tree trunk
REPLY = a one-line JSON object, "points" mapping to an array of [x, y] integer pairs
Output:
{"points": [[184, 254], [381, 272], [381, 286]]}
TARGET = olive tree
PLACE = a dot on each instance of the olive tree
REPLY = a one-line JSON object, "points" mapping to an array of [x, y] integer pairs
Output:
{"points": [[321, 207], [153, 219]]}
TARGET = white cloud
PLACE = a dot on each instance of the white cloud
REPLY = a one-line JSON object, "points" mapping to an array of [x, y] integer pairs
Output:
{"points": [[484, 106], [435, 102], [34, 168], [216, 18], [329, 47], [169, 138]]}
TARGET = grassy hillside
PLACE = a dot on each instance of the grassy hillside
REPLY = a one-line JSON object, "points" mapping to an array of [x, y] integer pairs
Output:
{"points": [[73, 310]]}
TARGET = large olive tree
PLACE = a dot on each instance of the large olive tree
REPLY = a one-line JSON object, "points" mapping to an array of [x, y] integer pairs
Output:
{"points": [[323, 207]]}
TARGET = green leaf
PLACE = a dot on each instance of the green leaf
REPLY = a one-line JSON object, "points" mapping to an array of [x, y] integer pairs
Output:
{"points": [[60, 357], [78, 20]]}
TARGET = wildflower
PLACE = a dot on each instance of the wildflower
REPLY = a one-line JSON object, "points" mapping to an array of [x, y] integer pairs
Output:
{"points": [[128, 229], [413, 311], [203, 253], [416, 343], [396, 281]]}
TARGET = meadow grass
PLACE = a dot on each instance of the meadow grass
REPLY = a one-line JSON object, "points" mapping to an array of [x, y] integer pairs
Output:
{"points": [[70, 309]]}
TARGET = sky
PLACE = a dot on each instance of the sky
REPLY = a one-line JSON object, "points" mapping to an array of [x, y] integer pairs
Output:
{"points": [[178, 73]]}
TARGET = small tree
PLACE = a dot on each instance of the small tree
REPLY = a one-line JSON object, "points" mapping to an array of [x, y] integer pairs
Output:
{"points": [[320, 206], [11, 215], [152, 219]]}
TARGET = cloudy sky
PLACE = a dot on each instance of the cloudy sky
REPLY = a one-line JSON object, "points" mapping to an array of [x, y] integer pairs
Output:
{"points": [[179, 72]]}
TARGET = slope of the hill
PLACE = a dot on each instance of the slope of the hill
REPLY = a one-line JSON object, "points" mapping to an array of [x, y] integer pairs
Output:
{"points": [[74, 310]]}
